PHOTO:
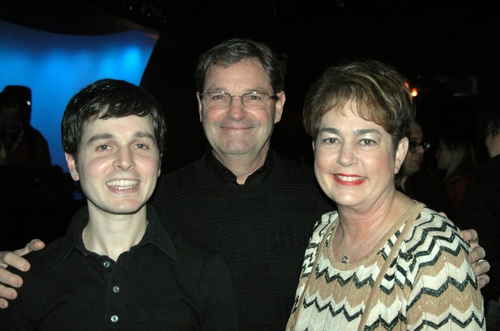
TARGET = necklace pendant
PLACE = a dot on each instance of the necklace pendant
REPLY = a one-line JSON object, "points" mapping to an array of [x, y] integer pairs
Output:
{"points": [[345, 259]]}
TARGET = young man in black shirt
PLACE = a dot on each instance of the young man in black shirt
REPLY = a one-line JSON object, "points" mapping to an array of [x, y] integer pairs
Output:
{"points": [[118, 267]]}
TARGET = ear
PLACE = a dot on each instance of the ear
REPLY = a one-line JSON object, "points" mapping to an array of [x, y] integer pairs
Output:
{"points": [[313, 146], [200, 106], [70, 161], [401, 154], [280, 104]]}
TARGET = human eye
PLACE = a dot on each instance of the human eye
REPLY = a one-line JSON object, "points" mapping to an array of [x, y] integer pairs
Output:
{"points": [[103, 147], [367, 142], [253, 97], [219, 96], [142, 146], [330, 141]]}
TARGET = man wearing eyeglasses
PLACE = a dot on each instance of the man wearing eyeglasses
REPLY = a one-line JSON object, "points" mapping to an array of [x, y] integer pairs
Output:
{"points": [[420, 182], [242, 199]]}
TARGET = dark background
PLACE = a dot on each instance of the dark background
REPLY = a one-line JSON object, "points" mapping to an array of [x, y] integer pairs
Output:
{"points": [[447, 49]]}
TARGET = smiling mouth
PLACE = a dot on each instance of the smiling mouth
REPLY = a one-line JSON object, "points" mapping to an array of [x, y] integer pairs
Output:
{"points": [[235, 128], [350, 178], [123, 184]]}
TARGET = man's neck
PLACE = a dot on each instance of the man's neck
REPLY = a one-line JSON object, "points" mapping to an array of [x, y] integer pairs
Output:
{"points": [[111, 235], [242, 166]]}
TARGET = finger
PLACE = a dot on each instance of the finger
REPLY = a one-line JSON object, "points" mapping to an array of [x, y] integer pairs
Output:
{"points": [[8, 278], [2, 257], [34, 245], [3, 303], [15, 261], [483, 280], [478, 253], [8, 292], [470, 236], [481, 267]]}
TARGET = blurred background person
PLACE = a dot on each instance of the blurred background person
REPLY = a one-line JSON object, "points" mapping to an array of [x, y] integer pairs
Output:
{"points": [[20, 143], [420, 181], [456, 157], [480, 208], [492, 134]]}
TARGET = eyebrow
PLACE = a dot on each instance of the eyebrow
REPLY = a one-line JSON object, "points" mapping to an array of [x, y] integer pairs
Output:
{"points": [[102, 136], [223, 89], [356, 132]]}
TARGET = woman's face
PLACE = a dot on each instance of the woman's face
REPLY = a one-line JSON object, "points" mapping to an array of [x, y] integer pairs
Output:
{"points": [[443, 156], [354, 159]]}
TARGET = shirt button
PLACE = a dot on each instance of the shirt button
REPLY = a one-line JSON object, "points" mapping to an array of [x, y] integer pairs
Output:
{"points": [[106, 264], [116, 289], [114, 318]]}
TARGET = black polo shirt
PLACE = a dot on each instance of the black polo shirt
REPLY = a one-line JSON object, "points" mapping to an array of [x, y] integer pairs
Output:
{"points": [[222, 173], [163, 283]]}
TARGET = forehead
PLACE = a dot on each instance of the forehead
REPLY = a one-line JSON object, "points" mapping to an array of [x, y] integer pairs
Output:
{"points": [[416, 131], [347, 115], [119, 126], [248, 73]]}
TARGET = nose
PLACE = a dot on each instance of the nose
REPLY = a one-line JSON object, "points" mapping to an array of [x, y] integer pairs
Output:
{"points": [[124, 159], [236, 109], [347, 155]]}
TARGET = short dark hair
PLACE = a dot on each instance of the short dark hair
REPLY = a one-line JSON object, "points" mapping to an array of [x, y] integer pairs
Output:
{"points": [[233, 51], [380, 92], [109, 98]]}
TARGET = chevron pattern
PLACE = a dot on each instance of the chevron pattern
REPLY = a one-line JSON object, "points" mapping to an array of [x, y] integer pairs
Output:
{"points": [[429, 286]]}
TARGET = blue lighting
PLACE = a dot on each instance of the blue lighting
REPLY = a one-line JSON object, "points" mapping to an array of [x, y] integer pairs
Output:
{"points": [[56, 66]]}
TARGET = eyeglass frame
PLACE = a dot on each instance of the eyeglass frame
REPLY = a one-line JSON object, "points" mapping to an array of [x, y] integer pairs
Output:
{"points": [[271, 97], [424, 144]]}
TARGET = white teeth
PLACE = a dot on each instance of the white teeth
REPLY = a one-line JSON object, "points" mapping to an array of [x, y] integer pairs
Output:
{"points": [[349, 178], [123, 184]]}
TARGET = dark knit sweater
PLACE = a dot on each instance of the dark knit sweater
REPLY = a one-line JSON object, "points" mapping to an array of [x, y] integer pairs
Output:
{"points": [[480, 210], [261, 230]]}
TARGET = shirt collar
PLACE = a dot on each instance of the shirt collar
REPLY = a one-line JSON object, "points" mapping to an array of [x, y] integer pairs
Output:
{"points": [[225, 175], [155, 235]]}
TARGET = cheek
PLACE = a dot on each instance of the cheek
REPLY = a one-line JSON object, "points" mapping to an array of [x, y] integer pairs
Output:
{"points": [[323, 160]]}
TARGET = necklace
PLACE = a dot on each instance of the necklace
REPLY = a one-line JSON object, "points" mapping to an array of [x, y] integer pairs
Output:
{"points": [[345, 259]]}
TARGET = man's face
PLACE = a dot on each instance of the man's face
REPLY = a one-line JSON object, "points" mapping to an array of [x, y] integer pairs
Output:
{"points": [[237, 131], [118, 164], [413, 161]]}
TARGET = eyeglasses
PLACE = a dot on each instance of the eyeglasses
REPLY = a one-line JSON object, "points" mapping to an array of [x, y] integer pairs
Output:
{"points": [[252, 100], [415, 146]]}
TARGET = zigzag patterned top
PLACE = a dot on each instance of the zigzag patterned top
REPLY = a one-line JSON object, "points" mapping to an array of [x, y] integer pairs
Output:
{"points": [[429, 285]]}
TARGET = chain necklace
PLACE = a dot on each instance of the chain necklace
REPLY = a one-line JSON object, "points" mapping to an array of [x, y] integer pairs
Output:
{"points": [[345, 259]]}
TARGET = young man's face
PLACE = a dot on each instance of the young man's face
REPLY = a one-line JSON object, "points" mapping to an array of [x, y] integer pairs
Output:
{"points": [[118, 164]]}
